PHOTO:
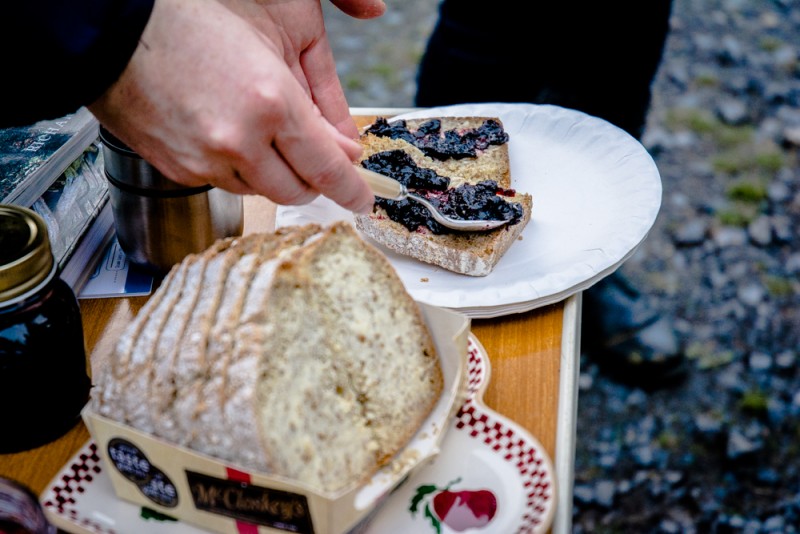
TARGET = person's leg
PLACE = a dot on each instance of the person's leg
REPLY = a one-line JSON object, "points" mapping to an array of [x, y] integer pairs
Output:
{"points": [[596, 57]]}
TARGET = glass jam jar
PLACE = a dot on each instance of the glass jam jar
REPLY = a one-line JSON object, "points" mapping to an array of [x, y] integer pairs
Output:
{"points": [[44, 374], [20, 510]]}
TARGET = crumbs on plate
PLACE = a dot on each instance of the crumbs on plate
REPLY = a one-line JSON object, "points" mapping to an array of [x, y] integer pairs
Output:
{"points": [[424, 279]]}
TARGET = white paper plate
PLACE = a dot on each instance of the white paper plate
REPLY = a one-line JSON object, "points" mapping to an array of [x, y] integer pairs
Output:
{"points": [[482, 452], [596, 194]]}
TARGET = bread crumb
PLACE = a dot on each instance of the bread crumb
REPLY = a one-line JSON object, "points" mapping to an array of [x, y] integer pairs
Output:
{"points": [[406, 459], [424, 279]]}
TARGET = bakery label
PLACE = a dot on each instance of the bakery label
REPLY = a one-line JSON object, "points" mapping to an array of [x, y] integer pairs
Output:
{"points": [[160, 489], [129, 460], [253, 504], [132, 463]]}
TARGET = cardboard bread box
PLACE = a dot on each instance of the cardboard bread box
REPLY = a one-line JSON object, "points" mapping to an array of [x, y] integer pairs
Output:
{"points": [[220, 497]]}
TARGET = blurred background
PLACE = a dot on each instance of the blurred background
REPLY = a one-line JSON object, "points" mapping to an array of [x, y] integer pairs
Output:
{"points": [[720, 451]]}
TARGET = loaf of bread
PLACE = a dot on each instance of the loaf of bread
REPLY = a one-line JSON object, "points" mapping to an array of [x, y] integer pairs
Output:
{"points": [[437, 157], [298, 354]]}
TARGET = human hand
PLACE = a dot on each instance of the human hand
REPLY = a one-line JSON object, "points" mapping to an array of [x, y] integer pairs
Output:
{"points": [[208, 98], [297, 28]]}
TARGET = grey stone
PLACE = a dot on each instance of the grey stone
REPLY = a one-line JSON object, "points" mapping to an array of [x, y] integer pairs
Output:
{"points": [[583, 494], [791, 134], [739, 445], [604, 493], [732, 111], [774, 523], [692, 232], [782, 228], [728, 236], [786, 360], [751, 293], [760, 361], [760, 231], [708, 424]]}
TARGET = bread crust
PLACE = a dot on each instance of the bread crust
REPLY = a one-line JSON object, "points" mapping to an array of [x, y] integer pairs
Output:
{"points": [[472, 254], [468, 253]]}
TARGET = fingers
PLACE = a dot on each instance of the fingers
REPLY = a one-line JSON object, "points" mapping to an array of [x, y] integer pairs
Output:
{"points": [[350, 146], [328, 167], [252, 128], [298, 155], [269, 175], [325, 87], [361, 9], [234, 183]]}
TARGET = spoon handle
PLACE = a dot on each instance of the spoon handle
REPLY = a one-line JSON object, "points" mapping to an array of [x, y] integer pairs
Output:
{"points": [[383, 186], [386, 187]]}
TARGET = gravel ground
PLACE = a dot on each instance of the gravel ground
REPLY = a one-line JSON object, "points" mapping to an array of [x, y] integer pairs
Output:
{"points": [[718, 452]]}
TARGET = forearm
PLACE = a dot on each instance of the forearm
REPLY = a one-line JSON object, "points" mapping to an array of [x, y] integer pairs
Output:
{"points": [[60, 55]]}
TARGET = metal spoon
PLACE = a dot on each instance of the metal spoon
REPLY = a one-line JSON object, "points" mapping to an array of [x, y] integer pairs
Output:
{"points": [[386, 187]]}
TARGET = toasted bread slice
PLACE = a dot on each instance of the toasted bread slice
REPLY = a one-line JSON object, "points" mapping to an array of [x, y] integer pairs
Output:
{"points": [[469, 253]]}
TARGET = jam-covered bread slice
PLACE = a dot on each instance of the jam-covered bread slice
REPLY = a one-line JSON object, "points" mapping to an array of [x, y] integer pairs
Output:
{"points": [[461, 165]]}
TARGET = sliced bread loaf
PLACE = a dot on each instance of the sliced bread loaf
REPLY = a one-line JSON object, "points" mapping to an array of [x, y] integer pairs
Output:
{"points": [[447, 159], [299, 354]]}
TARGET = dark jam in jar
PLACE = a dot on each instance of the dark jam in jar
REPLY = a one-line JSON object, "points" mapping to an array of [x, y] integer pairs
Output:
{"points": [[482, 201], [44, 378]]}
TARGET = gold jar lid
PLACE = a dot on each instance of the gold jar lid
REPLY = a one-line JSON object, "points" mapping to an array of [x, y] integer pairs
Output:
{"points": [[26, 259]]}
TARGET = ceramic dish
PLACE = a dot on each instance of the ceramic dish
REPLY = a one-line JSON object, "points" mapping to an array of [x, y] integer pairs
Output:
{"points": [[491, 476], [596, 193]]}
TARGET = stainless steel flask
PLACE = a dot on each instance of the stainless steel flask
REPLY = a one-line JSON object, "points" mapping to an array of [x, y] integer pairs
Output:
{"points": [[158, 221]]}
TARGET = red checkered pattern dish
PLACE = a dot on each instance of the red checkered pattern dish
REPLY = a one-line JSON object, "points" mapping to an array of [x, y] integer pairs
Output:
{"points": [[491, 476]]}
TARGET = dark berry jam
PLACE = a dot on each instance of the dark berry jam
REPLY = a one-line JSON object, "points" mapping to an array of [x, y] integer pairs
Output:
{"points": [[442, 145], [482, 201], [44, 382], [400, 166], [44, 377]]}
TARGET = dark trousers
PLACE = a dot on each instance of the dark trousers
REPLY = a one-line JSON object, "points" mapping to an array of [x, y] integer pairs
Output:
{"points": [[592, 56]]}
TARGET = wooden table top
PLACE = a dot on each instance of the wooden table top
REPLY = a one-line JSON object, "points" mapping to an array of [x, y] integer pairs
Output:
{"points": [[533, 359]]}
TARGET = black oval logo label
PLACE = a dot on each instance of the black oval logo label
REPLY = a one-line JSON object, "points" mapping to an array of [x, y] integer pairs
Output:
{"points": [[129, 460], [160, 490], [132, 463]]}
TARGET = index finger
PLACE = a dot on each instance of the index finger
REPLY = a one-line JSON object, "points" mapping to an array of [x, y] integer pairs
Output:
{"points": [[315, 154], [326, 90]]}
